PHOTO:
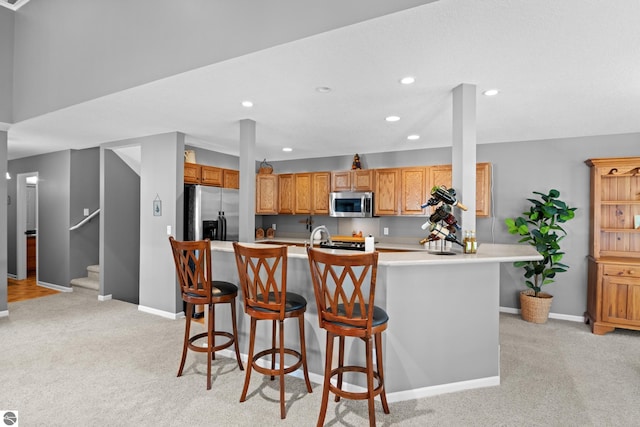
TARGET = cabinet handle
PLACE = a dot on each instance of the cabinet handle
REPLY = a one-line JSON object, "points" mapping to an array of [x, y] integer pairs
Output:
{"points": [[632, 272]]}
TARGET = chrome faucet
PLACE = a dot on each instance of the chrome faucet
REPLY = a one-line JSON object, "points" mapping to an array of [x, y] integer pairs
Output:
{"points": [[321, 229]]}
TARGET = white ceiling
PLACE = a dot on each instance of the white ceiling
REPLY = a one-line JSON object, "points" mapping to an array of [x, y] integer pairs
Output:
{"points": [[564, 69]]}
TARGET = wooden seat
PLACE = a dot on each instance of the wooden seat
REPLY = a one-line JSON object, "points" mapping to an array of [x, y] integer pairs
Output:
{"points": [[344, 288], [263, 279], [193, 267]]}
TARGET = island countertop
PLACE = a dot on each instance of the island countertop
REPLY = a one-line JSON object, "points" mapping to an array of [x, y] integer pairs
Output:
{"points": [[487, 252]]}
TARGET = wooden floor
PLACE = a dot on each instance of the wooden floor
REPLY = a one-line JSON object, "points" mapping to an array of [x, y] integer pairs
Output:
{"points": [[20, 290]]}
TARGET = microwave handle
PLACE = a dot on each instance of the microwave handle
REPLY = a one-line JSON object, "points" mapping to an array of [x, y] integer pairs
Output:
{"points": [[367, 205]]}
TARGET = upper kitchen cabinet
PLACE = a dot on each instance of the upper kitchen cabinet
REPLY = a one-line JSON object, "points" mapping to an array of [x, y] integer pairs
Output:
{"points": [[308, 193], [387, 188], [443, 175], [266, 194], [192, 173], [413, 190], [352, 180], [286, 193], [230, 178], [321, 183], [211, 175]]}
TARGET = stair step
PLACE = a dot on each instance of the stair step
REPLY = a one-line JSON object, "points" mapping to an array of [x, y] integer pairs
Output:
{"points": [[93, 272], [86, 282]]}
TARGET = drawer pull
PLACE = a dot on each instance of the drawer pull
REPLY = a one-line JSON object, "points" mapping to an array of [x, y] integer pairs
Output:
{"points": [[632, 272]]}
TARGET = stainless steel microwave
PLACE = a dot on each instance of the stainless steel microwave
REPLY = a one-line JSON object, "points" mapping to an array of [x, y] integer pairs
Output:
{"points": [[351, 204]]}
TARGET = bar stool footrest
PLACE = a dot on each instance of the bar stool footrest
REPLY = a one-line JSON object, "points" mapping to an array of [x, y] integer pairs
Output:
{"points": [[201, 349], [363, 395], [274, 352]]}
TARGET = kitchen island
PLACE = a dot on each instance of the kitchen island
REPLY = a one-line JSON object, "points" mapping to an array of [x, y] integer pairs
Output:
{"points": [[443, 332]]}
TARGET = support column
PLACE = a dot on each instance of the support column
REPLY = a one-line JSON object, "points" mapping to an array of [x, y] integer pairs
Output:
{"points": [[464, 151], [247, 217]]}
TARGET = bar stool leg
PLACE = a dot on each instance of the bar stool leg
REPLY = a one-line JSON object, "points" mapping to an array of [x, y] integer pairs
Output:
{"points": [[383, 393], [247, 377], [303, 352], [283, 413], [340, 364], [210, 344], [235, 333], [327, 379], [187, 328], [273, 346], [372, 409], [212, 316]]}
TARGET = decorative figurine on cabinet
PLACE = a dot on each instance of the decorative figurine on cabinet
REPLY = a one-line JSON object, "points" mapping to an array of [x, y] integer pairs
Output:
{"points": [[356, 162]]}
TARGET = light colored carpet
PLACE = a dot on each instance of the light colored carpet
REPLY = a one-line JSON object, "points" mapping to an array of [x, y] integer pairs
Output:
{"points": [[69, 359]]}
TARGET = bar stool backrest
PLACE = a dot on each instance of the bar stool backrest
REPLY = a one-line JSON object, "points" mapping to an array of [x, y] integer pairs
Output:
{"points": [[193, 267], [263, 278], [344, 288]]}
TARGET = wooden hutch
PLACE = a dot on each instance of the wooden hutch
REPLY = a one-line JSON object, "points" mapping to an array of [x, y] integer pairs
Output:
{"points": [[613, 299]]}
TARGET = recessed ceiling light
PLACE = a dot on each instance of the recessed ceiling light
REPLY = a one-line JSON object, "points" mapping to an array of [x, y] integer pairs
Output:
{"points": [[287, 149], [323, 89], [8, 175], [491, 92], [392, 118], [407, 80], [413, 137], [247, 104]]}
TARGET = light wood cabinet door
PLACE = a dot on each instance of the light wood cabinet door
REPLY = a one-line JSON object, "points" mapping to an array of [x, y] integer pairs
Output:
{"points": [[387, 187], [192, 173], [321, 182], [341, 181], [353, 180], [230, 178], [267, 194], [443, 175], [362, 180], [286, 193], [304, 193], [621, 300], [211, 176], [413, 190]]}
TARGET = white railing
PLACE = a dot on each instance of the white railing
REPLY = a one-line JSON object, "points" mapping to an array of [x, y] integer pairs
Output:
{"points": [[84, 221]]}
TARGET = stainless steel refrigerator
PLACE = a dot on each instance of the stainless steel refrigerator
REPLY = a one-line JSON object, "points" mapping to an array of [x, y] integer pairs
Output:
{"points": [[211, 212]]}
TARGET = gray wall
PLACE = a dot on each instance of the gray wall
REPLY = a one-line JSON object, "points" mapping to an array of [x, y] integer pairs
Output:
{"points": [[53, 215], [121, 221], [85, 193], [6, 65], [518, 169], [161, 175], [3, 220], [69, 51]]}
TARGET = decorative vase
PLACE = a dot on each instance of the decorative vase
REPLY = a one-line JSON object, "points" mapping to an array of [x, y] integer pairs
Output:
{"points": [[533, 308]]}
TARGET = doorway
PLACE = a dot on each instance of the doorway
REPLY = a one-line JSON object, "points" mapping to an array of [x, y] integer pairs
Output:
{"points": [[27, 225]]}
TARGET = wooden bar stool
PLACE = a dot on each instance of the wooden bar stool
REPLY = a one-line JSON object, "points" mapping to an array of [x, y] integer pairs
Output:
{"points": [[193, 266], [263, 279], [344, 287]]}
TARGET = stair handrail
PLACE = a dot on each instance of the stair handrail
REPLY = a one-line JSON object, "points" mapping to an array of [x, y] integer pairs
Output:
{"points": [[84, 221]]}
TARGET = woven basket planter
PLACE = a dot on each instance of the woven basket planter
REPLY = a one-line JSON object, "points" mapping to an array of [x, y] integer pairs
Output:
{"points": [[535, 309]]}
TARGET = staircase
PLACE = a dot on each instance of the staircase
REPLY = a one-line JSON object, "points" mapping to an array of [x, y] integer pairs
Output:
{"points": [[92, 281]]}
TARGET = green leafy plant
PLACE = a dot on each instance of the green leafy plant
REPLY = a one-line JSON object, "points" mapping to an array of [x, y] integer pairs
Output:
{"points": [[540, 228]]}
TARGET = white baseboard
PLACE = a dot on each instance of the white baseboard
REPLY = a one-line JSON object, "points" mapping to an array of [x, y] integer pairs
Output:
{"points": [[4, 313], [104, 297], [161, 313], [435, 390], [55, 287], [559, 316]]}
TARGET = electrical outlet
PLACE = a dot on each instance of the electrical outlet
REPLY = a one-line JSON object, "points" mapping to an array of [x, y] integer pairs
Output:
{"points": [[168, 230], [385, 231], [273, 226], [86, 212]]}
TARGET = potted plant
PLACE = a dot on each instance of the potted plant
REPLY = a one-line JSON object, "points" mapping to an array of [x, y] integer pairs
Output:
{"points": [[540, 227]]}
